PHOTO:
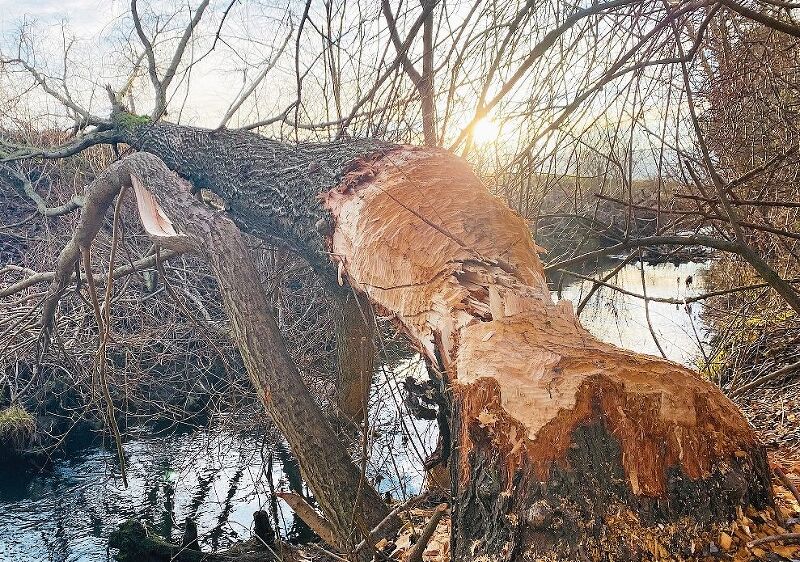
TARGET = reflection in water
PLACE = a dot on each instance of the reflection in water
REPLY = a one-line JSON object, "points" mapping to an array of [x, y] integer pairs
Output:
{"points": [[66, 513], [220, 479], [217, 478], [620, 319]]}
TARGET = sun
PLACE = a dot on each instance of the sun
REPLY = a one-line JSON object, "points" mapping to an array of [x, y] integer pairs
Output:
{"points": [[485, 131]]}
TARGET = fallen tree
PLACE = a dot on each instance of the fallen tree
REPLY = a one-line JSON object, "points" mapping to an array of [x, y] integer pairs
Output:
{"points": [[563, 447], [270, 190]]}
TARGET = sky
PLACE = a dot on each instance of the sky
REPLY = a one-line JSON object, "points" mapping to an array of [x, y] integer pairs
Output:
{"points": [[101, 55], [99, 29], [82, 14]]}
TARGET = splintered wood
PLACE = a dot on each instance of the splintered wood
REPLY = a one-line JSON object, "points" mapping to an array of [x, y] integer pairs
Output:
{"points": [[419, 234], [436, 550]]}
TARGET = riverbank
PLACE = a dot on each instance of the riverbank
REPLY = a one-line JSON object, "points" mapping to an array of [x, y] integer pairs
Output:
{"points": [[58, 411], [754, 352], [218, 476], [769, 535]]}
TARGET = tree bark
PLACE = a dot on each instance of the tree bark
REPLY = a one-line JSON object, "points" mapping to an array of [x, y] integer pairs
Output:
{"points": [[425, 85], [355, 339], [271, 191], [564, 447], [347, 499], [270, 188]]}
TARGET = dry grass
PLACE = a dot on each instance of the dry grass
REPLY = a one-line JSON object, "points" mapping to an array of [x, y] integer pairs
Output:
{"points": [[17, 426]]}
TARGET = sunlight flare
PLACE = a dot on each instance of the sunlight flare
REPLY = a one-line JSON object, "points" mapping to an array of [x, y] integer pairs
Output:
{"points": [[485, 131]]}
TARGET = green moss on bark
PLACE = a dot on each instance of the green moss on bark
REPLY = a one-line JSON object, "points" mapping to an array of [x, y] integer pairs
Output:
{"points": [[128, 121]]}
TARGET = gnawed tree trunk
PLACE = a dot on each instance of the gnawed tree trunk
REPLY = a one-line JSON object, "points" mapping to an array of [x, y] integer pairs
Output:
{"points": [[564, 447], [175, 219]]}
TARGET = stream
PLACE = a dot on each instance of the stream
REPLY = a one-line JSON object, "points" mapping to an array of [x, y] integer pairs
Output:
{"points": [[620, 319], [220, 478]]}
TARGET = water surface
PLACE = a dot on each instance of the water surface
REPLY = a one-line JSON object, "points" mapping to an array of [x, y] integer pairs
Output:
{"points": [[620, 319]]}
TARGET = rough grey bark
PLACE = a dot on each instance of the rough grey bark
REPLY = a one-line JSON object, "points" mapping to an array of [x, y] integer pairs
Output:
{"points": [[355, 341], [270, 188]]}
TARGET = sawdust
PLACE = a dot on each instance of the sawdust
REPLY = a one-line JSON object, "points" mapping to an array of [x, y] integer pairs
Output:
{"points": [[437, 550]]}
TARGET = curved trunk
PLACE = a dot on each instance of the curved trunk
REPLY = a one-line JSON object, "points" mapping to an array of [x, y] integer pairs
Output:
{"points": [[172, 217], [564, 447], [271, 190], [346, 497]]}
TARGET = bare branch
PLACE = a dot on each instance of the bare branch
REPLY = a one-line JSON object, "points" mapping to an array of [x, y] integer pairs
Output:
{"points": [[10, 153], [160, 85], [237, 103], [24, 187]]}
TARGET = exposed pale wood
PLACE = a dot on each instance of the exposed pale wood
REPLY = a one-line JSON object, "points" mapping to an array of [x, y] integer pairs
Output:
{"points": [[309, 515], [458, 270], [455, 264]]}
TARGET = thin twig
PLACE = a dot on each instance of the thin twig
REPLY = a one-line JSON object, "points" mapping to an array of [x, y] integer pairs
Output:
{"points": [[766, 378], [786, 537], [788, 483]]}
